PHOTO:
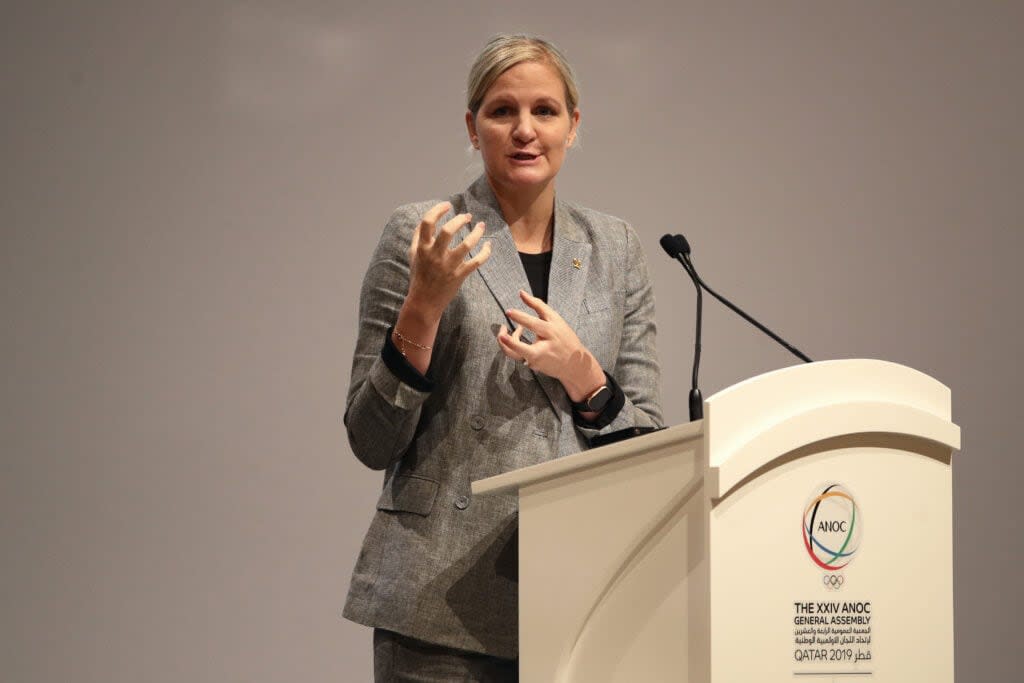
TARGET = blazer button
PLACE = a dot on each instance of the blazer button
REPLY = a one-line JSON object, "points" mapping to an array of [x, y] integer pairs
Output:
{"points": [[476, 422], [462, 502]]}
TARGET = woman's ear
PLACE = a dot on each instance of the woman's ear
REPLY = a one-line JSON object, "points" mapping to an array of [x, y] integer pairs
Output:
{"points": [[471, 129], [575, 119]]}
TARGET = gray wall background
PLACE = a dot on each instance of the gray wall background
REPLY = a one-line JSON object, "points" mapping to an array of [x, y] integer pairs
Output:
{"points": [[190, 194]]}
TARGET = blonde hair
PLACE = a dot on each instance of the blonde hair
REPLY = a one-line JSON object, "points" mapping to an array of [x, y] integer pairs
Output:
{"points": [[505, 51]]}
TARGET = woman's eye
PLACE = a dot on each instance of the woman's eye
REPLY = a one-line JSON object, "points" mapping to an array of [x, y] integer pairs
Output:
{"points": [[500, 111], [545, 111]]}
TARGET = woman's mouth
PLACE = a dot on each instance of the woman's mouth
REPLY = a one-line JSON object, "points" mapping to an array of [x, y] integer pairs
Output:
{"points": [[523, 157]]}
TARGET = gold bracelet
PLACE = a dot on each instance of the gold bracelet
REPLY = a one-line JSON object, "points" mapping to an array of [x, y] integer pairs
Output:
{"points": [[403, 340]]}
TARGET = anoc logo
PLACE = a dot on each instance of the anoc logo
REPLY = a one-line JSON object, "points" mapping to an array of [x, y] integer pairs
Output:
{"points": [[832, 528]]}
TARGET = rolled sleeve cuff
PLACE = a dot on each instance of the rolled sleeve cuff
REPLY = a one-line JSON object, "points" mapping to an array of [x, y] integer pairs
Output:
{"points": [[400, 366]]}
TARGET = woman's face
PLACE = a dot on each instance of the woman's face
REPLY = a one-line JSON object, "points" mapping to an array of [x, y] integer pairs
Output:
{"points": [[523, 126]]}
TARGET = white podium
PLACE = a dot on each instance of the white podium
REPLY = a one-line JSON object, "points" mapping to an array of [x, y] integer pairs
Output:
{"points": [[801, 531]]}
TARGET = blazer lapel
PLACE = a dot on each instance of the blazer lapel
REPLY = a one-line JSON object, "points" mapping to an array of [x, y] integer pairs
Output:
{"points": [[570, 260], [504, 274]]}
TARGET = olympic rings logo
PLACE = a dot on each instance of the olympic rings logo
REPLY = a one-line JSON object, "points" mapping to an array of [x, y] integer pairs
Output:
{"points": [[832, 528], [833, 582]]}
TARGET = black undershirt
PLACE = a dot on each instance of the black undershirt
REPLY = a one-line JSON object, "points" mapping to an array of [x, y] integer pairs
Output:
{"points": [[537, 267]]}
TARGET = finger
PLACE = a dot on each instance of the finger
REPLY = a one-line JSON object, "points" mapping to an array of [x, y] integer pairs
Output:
{"points": [[532, 323], [465, 246], [415, 244], [544, 312], [514, 348], [429, 221], [472, 264], [508, 351], [504, 341], [517, 335], [448, 230]]}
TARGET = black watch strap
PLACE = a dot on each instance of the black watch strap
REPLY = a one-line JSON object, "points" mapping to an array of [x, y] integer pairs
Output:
{"points": [[596, 402]]}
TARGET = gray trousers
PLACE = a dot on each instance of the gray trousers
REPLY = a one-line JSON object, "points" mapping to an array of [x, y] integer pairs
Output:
{"points": [[400, 659]]}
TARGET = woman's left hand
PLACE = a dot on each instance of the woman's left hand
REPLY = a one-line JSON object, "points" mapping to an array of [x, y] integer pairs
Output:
{"points": [[556, 351]]}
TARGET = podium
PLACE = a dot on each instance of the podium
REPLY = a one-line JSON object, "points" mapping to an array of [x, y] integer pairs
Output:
{"points": [[801, 531]]}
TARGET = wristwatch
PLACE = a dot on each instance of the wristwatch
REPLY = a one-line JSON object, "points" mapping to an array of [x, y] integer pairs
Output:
{"points": [[596, 402]]}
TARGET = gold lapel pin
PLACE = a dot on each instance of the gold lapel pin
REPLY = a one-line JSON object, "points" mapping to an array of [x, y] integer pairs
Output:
{"points": [[577, 264]]}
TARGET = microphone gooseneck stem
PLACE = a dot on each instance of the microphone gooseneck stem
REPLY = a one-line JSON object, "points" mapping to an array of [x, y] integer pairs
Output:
{"points": [[696, 400], [691, 269]]}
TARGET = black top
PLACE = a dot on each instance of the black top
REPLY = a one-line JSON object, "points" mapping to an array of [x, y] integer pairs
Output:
{"points": [[537, 267]]}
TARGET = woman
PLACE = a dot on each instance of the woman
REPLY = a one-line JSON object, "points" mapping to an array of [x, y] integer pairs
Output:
{"points": [[498, 329]]}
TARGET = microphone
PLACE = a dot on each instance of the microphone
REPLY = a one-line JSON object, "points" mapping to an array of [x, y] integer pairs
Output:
{"points": [[678, 248], [679, 243]]}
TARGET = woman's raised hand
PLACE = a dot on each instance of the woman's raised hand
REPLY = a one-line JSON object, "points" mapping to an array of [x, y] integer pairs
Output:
{"points": [[556, 350], [437, 269]]}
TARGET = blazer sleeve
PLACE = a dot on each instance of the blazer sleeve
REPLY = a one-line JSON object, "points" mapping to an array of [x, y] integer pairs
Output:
{"points": [[636, 367], [382, 411]]}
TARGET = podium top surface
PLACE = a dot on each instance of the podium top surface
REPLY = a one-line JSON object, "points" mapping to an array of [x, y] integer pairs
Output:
{"points": [[513, 481], [755, 421]]}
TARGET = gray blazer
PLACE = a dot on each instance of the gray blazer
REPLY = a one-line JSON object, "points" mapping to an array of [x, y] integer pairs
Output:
{"points": [[437, 564]]}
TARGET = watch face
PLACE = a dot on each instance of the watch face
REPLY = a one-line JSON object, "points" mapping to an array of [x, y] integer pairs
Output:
{"points": [[600, 400]]}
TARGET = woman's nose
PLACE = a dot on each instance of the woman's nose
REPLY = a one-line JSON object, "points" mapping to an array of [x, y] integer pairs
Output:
{"points": [[524, 131]]}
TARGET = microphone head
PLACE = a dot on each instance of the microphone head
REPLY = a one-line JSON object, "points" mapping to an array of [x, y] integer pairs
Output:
{"points": [[670, 245], [684, 246]]}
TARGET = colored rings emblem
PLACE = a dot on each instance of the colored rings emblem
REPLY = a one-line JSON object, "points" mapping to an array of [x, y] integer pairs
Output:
{"points": [[832, 528]]}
